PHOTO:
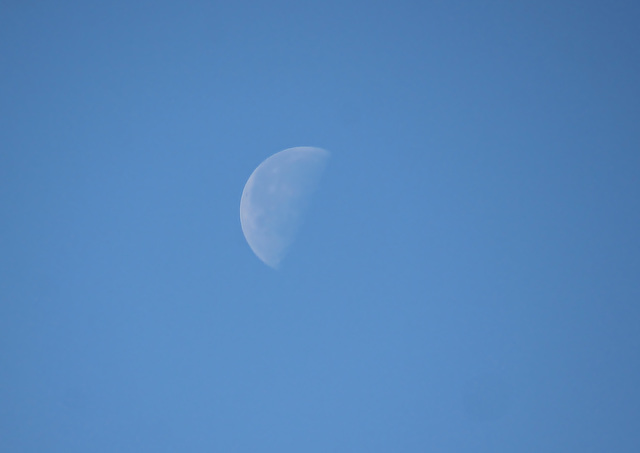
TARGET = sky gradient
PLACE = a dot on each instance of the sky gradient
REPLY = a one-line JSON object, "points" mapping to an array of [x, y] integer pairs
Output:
{"points": [[466, 279]]}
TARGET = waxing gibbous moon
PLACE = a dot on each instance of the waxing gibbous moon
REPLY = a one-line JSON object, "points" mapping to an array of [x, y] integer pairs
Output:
{"points": [[275, 198]]}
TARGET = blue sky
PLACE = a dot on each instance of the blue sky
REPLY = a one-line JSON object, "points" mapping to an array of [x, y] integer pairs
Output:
{"points": [[467, 276]]}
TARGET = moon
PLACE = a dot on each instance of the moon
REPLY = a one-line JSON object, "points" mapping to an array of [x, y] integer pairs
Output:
{"points": [[275, 199]]}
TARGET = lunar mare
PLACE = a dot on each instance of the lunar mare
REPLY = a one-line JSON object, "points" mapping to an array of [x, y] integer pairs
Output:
{"points": [[275, 198]]}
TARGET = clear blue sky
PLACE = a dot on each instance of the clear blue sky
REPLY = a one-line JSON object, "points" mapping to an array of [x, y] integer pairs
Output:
{"points": [[467, 280]]}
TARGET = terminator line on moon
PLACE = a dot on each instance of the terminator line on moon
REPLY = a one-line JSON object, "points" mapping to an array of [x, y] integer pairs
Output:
{"points": [[275, 199]]}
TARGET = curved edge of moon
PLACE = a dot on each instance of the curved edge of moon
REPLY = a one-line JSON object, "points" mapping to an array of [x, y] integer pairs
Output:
{"points": [[275, 198]]}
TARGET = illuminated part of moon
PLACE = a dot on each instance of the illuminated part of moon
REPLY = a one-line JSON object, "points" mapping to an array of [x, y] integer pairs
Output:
{"points": [[275, 198]]}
